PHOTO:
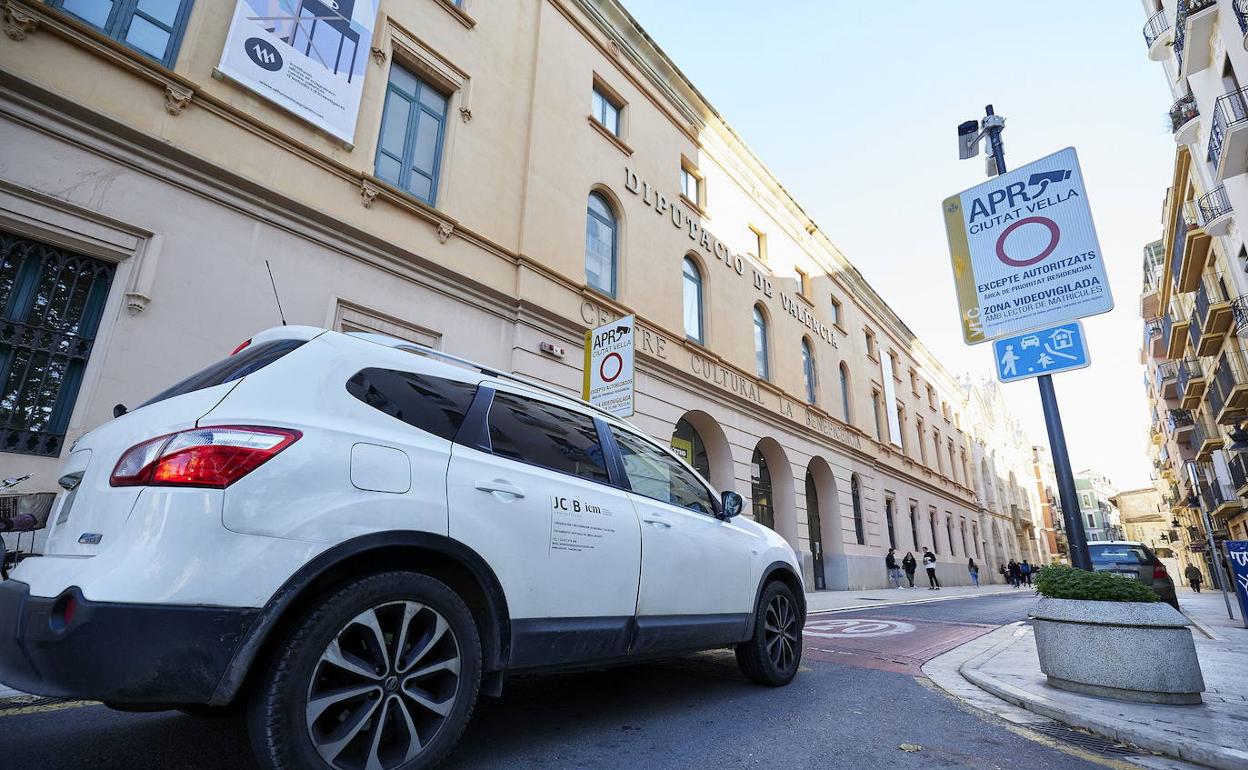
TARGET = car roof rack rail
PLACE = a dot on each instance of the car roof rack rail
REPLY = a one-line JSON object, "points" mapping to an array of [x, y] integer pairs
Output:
{"points": [[416, 347]]}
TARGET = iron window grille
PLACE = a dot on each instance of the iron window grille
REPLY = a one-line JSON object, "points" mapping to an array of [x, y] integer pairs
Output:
{"points": [[51, 301]]}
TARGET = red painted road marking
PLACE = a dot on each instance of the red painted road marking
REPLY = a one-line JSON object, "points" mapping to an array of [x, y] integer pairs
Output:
{"points": [[886, 644]]}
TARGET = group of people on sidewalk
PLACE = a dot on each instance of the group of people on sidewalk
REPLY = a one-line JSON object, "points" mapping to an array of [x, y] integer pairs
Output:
{"points": [[909, 565], [1016, 573]]}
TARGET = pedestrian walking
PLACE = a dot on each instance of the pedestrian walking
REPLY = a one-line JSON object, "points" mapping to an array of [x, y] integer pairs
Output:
{"points": [[894, 571], [909, 565], [929, 564], [1016, 577], [1005, 573], [1025, 570], [973, 568], [1194, 578]]}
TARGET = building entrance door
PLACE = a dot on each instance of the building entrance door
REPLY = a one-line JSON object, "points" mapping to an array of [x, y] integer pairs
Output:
{"points": [[816, 533]]}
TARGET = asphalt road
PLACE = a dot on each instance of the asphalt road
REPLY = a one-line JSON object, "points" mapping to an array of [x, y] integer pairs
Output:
{"points": [[694, 712]]}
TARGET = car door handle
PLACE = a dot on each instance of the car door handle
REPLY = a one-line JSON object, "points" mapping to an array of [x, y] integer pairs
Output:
{"points": [[657, 523], [498, 485]]}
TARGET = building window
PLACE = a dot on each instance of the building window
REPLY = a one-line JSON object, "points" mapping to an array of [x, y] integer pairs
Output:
{"points": [[914, 523], [914, 382], [871, 351], [601, 245], [606, 110], [409, 149], [845, 392], [761, 365], [889, 505], [760, 244], [808, 371], [936, 446], [760, 490], [953, 551], [803, 282], [931, 521], [691, 186], [52, 301], [931, 397], [692, 278], [1092, 521], [896, 362], [859, 524], [875, 412], [836, 311], [953, 467], [151, 27], [918, 422], [901, 426]]}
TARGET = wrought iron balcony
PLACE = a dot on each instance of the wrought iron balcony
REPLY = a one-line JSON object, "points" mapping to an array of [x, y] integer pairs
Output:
{"points": [[1241, 15], [1212, 314], [1174, 335], [1193, 23], [1189, 248], [1238, 466], [1230, 380], [1191, 382], [1214, 211], [1179, 422], [1157, 33], [1239, 311], [1227, 138], [1223, 499], [1182, 113], [1206, 435], [1153, 340]]}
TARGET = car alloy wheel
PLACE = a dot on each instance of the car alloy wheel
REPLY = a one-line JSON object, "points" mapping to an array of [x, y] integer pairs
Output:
{"points": [[780, 632], [383, 687]]}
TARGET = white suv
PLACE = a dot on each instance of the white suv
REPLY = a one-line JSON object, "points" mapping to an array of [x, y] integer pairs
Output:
{"points": [[351, 536]]}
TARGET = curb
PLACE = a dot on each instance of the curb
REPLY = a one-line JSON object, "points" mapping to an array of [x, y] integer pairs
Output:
{"points": [[1221, 757], [904, 602]]}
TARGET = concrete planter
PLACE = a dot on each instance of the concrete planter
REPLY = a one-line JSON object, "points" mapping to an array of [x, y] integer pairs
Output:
{"points": [[1126, 650]]}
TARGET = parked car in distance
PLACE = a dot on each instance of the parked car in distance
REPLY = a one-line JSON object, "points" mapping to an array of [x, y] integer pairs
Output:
{"points": [[350, 536], [1137, 562]]}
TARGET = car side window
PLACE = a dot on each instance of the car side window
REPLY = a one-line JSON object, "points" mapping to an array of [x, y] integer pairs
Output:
{"points": [[655, 474], [432, 404], [542, 434]]}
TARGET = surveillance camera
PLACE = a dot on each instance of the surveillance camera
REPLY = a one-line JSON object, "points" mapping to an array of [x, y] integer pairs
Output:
{"points": [[968, 139]]}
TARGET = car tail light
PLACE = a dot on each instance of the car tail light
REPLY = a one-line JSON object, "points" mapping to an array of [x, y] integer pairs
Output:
{"points": [[201, 457], [241, 345], [1159, 572]]}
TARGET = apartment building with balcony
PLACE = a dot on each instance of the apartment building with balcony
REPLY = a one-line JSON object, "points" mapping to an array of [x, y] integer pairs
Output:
{"points": [[1193, 301], [1097, 505]]}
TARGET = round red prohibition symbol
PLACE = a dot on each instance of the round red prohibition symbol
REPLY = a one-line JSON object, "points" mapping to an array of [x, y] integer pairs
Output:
{"points": [[619, 367], [1055, 235]]}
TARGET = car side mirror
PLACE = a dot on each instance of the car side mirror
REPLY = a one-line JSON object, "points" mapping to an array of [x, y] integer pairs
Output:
{"points": [[731, 505]]}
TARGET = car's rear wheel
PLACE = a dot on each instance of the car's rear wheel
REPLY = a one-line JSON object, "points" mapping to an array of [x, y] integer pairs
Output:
{"points": [[774, 653], [383, 674]]}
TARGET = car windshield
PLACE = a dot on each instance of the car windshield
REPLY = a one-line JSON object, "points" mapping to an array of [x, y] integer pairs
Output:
{"points": [[1119, 554], [250, 359]]}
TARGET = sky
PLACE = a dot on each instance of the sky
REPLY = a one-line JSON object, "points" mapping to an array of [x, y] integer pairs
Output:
{"points": [[854, 108]]}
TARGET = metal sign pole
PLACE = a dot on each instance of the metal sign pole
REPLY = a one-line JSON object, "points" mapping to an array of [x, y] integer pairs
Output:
{"points": [[1076, 537]]}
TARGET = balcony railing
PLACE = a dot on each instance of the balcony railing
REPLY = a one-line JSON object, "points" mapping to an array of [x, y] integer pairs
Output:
{"points": [[1156, 26], [1213, 205], [1230, 379], [1183, 111], [1239, 311], [1206, 435], [1179, 419], [1229, 111], [1241, 14], [1212, 314], [1238, 466], [1193, 330], [1166, 371], [1180, 16]]}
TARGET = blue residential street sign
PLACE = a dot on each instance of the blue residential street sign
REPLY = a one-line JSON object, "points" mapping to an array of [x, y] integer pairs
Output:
{"points": [[1056, 349]]}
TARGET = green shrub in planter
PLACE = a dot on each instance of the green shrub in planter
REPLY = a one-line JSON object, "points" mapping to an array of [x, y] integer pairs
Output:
{"points": [[1058, 581]]}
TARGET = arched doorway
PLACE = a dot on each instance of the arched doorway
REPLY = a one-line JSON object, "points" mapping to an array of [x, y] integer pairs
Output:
{"points": [[771, 490], [814, 530], [700, 441], [823, 521]]}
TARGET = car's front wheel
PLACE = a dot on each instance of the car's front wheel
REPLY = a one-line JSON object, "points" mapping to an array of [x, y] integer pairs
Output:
{"points": [[382, 674], [772, 656]]}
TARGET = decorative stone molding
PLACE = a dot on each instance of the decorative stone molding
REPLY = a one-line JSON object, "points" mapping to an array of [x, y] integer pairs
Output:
{"points": [[444, 231], [368, 193], [177, 98], [465, 113], [379, 55], [615, 49], [18, 23]]}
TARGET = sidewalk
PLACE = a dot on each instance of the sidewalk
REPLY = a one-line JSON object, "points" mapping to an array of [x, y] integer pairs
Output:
{"points": [[838, 601], [1214, 733]]}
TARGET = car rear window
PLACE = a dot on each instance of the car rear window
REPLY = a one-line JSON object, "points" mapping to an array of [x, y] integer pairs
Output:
{"points": [[250, 359], [433, 404], [1119, 554]]}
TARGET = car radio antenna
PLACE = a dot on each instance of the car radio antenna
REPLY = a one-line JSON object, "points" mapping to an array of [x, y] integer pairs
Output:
{"points": [[276, 298]]}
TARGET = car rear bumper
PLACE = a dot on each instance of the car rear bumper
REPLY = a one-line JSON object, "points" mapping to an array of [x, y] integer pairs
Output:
{"points": [[115, 652]]}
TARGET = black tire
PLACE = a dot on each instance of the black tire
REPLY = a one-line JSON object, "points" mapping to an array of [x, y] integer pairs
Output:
{"points": [[406, 698], [774, 652]]}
